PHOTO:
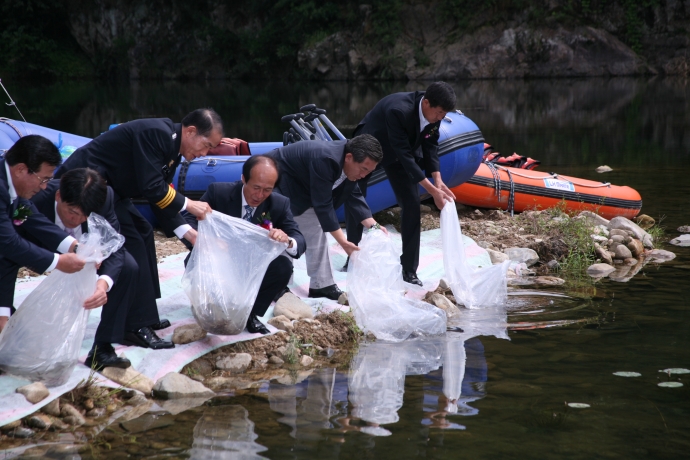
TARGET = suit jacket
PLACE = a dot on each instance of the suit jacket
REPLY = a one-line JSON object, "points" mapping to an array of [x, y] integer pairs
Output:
{"points": [[45, 203], [138, 159], [308, 171], [15, 245], [394, 121], [226, 197]]}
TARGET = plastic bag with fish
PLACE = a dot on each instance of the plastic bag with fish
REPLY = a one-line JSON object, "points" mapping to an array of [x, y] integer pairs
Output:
{"points": [[225, 270], [472, 287], [376, 294], [42, 340]]}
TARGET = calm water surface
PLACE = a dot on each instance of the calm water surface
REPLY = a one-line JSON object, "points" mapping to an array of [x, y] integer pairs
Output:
{"points": [[513, 369]]}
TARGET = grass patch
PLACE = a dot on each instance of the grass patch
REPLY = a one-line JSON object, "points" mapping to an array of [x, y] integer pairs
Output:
{"points": [[572, 244], [657, 231]]}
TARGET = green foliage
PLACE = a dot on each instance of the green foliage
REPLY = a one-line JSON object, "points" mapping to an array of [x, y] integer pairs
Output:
{"points": [[35, 41], [575, 234], [270, 47]]}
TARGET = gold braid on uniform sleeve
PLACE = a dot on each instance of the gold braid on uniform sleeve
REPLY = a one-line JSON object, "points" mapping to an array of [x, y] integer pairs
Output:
{"points": [[168, 198]]}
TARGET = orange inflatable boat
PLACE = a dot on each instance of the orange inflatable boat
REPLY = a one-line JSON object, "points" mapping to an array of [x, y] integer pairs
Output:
{"points": [[516, 189]]}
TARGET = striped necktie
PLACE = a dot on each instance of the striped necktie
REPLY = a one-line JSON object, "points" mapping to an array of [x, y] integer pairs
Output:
{"points": [[248, 214]]}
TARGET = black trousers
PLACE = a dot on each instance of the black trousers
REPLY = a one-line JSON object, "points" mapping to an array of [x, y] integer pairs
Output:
{"points": [[275, 280], [407, 194], [139, 243], [120, 309]]}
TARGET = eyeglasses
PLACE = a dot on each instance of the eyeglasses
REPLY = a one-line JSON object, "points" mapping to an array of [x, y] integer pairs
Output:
{"points": [[43, 181]]}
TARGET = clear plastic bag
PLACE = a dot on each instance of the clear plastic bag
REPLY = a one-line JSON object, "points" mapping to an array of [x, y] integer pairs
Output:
{"points": [[225, 270], [472, 287], [375, 293], [42, 340]]}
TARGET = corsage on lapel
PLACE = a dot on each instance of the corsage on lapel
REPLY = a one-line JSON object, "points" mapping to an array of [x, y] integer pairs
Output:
{"points": [[265, 220], [432, 134], [21, 214]]}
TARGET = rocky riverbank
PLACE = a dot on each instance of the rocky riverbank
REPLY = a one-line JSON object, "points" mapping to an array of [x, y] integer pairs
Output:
{"points": [[539, 244]]}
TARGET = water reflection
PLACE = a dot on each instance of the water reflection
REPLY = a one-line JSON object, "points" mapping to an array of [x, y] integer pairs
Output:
{"points": [[225, 432]]}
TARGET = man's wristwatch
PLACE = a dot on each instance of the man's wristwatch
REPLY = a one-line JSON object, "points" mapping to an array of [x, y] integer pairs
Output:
{"points": [[75, 248]]}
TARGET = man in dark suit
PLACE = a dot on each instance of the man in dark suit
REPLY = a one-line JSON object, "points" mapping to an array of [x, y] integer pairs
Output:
{"points": [[26, 169], [138, 159], [68, 202], [318, 177], [253, 199], [403, 123]]}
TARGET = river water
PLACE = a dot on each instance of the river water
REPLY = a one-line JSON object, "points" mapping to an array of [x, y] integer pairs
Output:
{"points": [[513, 370]]}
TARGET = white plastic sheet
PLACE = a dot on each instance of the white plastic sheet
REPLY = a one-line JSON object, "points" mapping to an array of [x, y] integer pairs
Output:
{"points": [[42, 340], [225, 271], [472, 287], [375, 293]]}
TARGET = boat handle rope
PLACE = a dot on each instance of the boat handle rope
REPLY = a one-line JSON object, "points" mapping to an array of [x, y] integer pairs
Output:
{"points": [[553, 176], [7, 122], [497, 185], [497, 179]]}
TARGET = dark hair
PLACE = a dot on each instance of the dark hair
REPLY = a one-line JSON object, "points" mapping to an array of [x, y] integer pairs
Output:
{"points": [[33, 150], [364, 146], [85, 188], [204, 120], [440, 94], [255, 160]]}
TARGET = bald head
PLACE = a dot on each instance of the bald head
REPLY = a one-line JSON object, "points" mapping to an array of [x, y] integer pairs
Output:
{"points": [[259, 175]]}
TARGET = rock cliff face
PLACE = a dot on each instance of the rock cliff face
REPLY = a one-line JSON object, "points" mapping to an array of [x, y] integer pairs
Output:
{"points": [[168, 39]]}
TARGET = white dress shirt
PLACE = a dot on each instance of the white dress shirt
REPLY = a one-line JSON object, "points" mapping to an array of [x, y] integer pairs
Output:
{"points": [[422, 121]]}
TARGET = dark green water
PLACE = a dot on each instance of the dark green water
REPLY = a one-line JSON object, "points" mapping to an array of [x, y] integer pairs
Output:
{"points": [[512, 392]]}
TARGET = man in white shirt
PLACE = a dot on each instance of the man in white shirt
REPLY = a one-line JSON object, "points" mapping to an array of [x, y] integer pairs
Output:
{"points": [[68, 202]]}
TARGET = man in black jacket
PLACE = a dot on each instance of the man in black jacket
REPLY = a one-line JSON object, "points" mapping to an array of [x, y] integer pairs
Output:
{"points": [[68, 202], [254, 200], [318, 177], [403, 123], [138, 159], [25, 170]]}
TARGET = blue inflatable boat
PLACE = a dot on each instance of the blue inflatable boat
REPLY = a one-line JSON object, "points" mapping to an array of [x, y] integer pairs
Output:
{"points": [[461, 147]]}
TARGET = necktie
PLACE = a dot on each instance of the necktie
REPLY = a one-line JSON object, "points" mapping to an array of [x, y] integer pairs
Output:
{"points": [[248, 214], [70, 231]]}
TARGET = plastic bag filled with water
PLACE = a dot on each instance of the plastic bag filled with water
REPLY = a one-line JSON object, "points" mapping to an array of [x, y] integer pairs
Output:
{"points": [[42, 340], [225, 270], [472, 287], [375, 293]]}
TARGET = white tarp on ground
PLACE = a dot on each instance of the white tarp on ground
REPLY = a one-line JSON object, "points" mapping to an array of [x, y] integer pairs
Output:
{"points": [[174, 305]]}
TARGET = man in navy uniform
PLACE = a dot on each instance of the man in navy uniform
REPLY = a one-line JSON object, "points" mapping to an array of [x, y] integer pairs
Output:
{"points": [[318, 177], [138, 159], [253, 199], [25, 170], [68, 202], [403, 123]]}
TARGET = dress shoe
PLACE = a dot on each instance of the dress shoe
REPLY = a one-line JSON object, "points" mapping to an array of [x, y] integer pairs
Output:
{"points": [[281, 294], [411, 277], [146, 338], [162, 324], [254, 325], [331, 292], [103, 355]]}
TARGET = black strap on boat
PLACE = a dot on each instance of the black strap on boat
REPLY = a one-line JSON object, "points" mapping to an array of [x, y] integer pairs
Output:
{"points": [[511, 194]]}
